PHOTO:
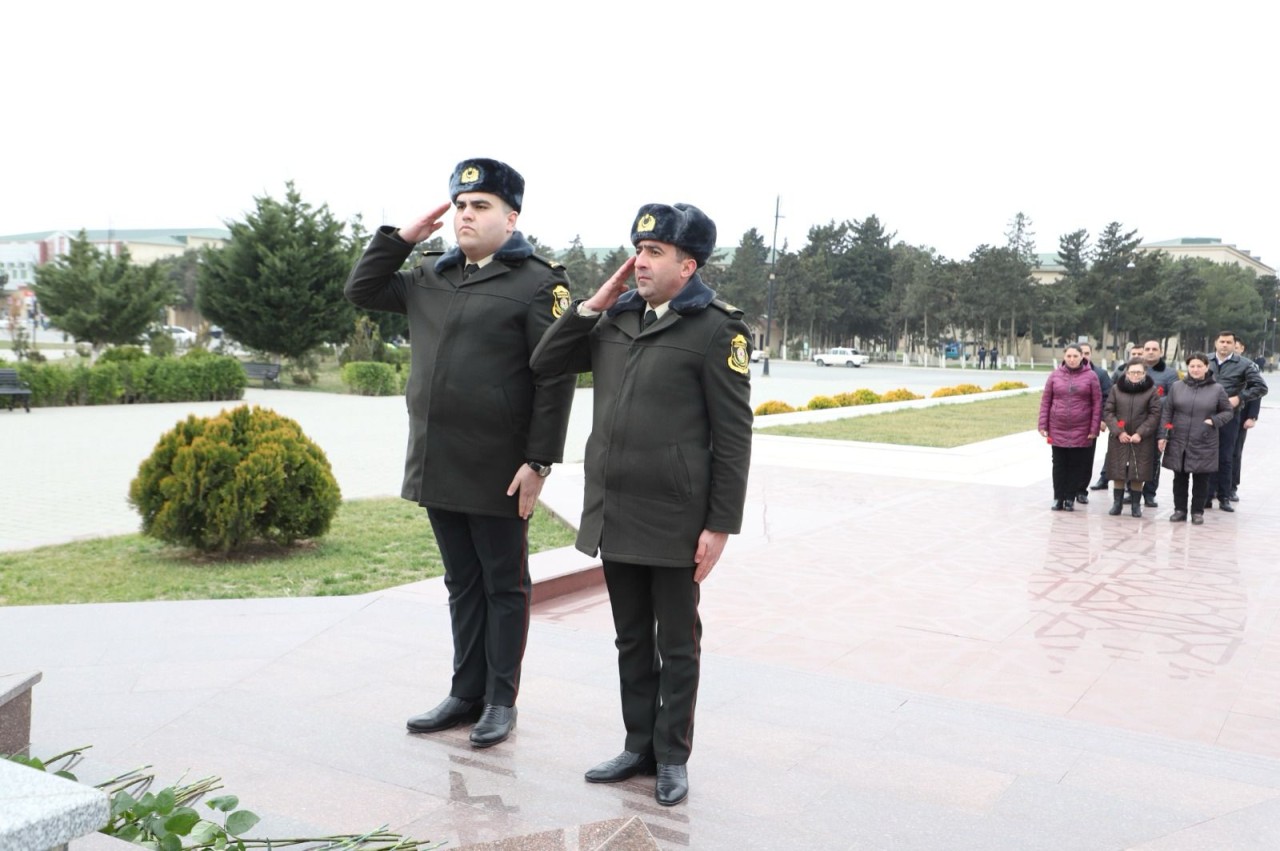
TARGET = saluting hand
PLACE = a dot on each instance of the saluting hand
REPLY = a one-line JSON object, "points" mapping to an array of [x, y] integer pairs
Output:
{"points": [[611, 290], [425, 226]]}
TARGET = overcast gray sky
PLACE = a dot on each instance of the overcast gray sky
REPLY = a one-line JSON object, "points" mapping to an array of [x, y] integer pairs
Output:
{"points": [[943, 119]]}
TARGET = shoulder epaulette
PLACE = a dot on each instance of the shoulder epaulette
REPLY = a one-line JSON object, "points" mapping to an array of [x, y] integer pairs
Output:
{"points": [[735, 312], [547, 261]]}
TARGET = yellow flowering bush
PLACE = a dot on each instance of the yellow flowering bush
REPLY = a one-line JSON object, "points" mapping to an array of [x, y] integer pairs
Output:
{"points": [[902, 394], [773, 407]]}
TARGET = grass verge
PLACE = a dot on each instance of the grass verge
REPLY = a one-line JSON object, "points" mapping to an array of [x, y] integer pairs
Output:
{"points": [[942, 426], [373, 544]]}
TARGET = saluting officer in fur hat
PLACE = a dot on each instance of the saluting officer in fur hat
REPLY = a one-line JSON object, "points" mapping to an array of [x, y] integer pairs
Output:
{"points": [[483, 430], [666, 470]]}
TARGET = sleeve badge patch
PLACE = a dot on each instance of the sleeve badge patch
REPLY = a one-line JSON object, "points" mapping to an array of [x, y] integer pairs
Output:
{"points": [[738, 359], [559, 300]]}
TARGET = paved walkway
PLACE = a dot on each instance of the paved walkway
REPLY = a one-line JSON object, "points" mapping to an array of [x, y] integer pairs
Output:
{"points": [[904, 649]]}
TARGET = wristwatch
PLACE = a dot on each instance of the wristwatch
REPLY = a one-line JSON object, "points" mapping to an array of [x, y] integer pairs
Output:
{"points": [[538, 467]]}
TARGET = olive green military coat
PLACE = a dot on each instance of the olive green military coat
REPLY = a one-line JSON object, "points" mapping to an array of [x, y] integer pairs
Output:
{"points": [[476, 410], [670, 442]]}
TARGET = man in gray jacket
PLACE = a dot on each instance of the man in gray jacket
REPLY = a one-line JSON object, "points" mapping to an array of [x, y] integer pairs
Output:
{"points": [[1243, 383], [666, 470], [483, 431]]}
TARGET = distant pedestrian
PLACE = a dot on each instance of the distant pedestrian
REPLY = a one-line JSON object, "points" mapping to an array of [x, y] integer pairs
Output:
{"points": [[995, 358], [982, 357]]}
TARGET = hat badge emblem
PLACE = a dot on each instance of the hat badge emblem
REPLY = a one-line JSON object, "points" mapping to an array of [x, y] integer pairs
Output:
{"points": [[646, 223], [470, 174]]}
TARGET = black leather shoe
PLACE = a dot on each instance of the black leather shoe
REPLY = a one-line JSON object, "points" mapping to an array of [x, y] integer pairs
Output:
{"points": [[1100, 484], [1197, 519], [1178, 517], [1082, 498], [1225, 505], [1068, 505], [673, 785], [495, 724], [1233, 496], [1150, 501], [624, 766], [450, 713], [1057, 505]]}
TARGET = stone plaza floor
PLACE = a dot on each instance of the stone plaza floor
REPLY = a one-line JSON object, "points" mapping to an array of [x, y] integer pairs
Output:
{"points": [[904, 649]]}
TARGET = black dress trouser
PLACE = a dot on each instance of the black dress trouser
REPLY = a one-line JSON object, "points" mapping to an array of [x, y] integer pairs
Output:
{"points": [[486, 569], [659, 639]]}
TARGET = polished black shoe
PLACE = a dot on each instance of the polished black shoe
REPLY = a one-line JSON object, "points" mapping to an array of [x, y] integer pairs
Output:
{"points": [[1233, 496], [495, 724], [624, 766], [450, 713], [1082, 498], [673, 785], [1150, 501], [1197, 519], [1068, 505], [1178, 517], [1057, 505], [1225, 505], [1100, 484]]}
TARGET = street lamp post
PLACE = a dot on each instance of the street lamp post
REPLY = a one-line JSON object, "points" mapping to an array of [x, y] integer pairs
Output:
{"points": [[773, 267]]}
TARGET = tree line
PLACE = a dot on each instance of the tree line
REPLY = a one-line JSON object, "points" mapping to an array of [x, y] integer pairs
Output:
{"points": [[276, 287]]}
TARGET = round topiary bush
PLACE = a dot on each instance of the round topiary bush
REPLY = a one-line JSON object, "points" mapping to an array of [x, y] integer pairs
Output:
{"points": [[1008, 385], [773, 407], [902, 394], [819, 403], [247, 474], [862, 396], [370, 378]]}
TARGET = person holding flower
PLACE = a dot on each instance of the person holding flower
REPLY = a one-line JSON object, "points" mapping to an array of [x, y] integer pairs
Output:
{"points": [[1132, 415], [1194, 410], [1070, 411]]}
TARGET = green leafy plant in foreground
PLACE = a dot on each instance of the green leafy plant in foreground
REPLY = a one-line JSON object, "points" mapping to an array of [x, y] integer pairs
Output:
{"points": [[169, 820]]}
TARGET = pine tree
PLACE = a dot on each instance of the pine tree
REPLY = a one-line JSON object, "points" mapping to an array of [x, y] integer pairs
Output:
{"points": [[277, 284], [99, 298]]}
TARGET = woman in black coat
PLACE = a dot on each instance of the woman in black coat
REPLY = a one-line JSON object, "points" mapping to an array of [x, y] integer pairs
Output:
{"points": [[1194, 410], [1132, 415]]}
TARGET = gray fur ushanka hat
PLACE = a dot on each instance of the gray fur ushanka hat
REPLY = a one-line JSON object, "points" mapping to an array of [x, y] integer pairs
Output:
{"points": [[492, 176], [681, 225]]}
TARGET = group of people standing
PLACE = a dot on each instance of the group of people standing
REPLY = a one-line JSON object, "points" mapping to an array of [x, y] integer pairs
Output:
{"points": [[993, 353], [1192, 425]]}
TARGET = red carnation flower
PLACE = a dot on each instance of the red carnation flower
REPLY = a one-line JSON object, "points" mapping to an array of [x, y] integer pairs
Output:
{"points": [[1160, 390], [1120, 423]]}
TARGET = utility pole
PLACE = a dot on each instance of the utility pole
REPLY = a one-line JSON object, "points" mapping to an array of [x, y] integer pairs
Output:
{"points": [[773, 268]]}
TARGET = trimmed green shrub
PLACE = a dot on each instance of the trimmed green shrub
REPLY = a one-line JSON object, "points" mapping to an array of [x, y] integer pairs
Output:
{"points": [[862, 396], [902, 394], [818, 403], [218, 483], [198, 376], [117, 354], [370, 378], [773, 407]]}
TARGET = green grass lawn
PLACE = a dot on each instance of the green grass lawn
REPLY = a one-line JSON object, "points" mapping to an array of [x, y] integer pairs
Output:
{"points": [[373, 544], [942, 425]]}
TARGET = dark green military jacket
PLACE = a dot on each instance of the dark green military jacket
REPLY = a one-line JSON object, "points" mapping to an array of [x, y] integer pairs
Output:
{"points": [[476, 411], [670, 442]]}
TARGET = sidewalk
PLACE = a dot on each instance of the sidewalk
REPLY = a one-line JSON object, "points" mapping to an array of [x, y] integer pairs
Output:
{"points": [[904, 649]]}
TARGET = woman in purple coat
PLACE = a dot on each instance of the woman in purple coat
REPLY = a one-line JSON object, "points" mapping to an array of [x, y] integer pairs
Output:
{"points": [[1070, 411]]}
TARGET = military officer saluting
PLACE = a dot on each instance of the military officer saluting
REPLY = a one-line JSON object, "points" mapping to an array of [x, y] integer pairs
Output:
{"points": [[483, 430], [666, 470]]}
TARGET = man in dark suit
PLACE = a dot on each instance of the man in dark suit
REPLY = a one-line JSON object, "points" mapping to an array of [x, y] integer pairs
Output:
{"points": [[483, 431], [666, 470], [1243, 383]]}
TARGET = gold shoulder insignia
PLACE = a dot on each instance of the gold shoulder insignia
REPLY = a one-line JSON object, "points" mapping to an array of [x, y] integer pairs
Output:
{"points": [[738, 358], [559, 300]]}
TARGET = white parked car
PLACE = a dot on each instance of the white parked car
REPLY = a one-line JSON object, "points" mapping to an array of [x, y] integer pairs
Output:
{"points": [[841, 357], [181, 336]]}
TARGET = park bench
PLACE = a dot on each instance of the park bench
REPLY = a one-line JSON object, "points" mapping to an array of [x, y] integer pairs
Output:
{"points": [[267, 372], [14, 390]]}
